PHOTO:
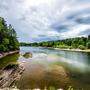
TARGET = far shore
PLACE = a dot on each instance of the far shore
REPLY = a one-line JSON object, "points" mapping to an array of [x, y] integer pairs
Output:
{"points": [[2, 55], [73, 50], [76, 50]]}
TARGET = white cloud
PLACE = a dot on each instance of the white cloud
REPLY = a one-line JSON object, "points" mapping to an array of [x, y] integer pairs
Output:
{"points": [[35, 18], [75, 31]]}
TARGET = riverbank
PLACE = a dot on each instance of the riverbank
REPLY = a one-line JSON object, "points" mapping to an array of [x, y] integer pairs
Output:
{"points": [[74, 50], [2, 55]]}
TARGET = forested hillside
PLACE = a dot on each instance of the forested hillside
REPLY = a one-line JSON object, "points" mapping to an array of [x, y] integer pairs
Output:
{"points": [[8, 37], [70, 43]]}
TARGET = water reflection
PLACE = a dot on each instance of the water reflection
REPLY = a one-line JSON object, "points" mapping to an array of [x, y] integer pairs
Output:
{"points": [[77, 60], [49, 68], [39, 76], [52, 69]]}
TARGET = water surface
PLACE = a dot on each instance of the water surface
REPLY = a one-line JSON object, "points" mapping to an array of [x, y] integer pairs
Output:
{"points": [[52, 69]]}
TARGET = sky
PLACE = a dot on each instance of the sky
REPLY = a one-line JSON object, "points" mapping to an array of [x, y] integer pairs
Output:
{"points": [[46, 20]]}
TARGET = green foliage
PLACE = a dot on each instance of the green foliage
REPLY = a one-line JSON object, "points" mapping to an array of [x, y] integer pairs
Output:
{"points": [[62, 46], [8, 39], [5, 41], [3, 48], [71, 43], [70, 47]]}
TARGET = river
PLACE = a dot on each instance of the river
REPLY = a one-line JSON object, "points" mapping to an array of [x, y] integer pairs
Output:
{"points": [[52, 69]]}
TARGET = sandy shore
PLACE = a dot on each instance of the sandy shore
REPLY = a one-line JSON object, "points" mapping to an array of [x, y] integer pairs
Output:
{"points": [[8, 53], [74, 50]]}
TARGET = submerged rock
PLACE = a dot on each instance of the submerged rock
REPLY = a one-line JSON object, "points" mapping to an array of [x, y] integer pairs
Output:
{"points": [[28, 55]]}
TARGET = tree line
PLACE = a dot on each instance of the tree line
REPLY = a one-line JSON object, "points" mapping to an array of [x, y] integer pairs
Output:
{"points": [[70, 43], [8, 37]]}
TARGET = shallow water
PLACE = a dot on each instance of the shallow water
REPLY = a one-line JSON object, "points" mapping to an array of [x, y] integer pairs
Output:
{"points": [[52, 69]]}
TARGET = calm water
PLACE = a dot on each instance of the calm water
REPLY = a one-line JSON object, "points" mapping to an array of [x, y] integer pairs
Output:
{"points": [[52, 69]]}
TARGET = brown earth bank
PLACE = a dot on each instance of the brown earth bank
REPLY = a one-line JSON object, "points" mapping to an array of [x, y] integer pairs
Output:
{"points": [[2, 55]]}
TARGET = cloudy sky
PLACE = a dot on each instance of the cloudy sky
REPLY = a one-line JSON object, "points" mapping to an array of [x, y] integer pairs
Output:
{"points": [[41, 20]]}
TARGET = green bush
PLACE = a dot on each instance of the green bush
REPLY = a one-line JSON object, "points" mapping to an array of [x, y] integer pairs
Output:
{"points": [[70, 47], [62, 46], [81, 47], [88, 45]]}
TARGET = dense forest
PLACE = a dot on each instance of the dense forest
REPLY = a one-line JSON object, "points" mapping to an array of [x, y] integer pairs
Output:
{"points": [[70, 43], [8, 37]]}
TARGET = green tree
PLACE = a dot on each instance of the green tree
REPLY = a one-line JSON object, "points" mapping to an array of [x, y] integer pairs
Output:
{"points": [[8, 37]]}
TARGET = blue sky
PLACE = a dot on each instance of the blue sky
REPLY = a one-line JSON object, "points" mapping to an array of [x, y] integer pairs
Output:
{"points": [[42, 20]]}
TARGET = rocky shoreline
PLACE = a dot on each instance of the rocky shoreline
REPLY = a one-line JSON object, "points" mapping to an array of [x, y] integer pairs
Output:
{"points": [[9, 75], [2, 55]]}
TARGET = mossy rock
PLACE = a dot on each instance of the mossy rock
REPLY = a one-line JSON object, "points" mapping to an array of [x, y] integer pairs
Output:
{"points": [[28, 55]]}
